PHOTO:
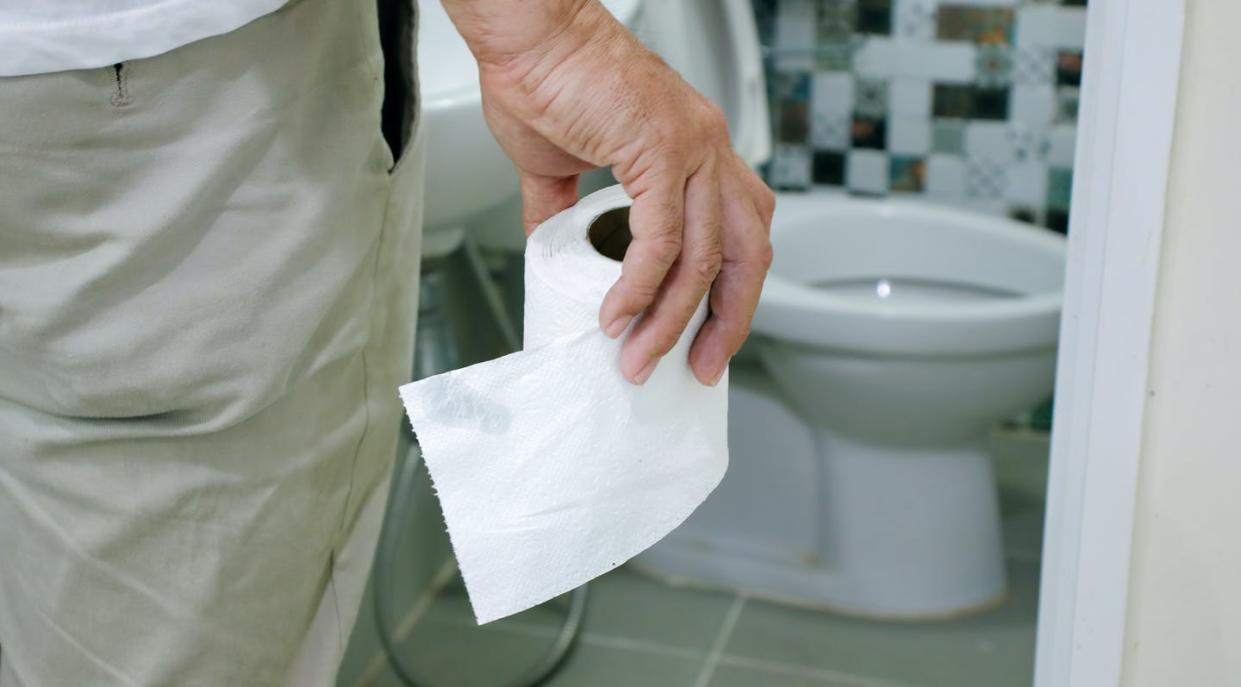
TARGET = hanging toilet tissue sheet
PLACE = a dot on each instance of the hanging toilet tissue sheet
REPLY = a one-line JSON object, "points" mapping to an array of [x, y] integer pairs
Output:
{"points": [[550, 467]]}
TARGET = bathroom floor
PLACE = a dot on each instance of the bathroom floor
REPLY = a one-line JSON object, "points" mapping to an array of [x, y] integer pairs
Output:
{"points": [[642, 633]]}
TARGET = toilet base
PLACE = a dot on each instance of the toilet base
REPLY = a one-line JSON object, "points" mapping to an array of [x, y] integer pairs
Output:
{"points": [[898, 532], [910, 531]]}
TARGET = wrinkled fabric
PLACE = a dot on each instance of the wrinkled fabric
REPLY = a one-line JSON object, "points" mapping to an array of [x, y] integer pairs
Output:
{"points": [[207, 299], [41, 36]]}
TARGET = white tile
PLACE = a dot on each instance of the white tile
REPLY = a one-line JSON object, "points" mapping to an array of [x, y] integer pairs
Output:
{"points": [[1051, 26], [909, 97], [1027, 184], [946, 62], [945, 177], [987, 141], [914, 19], [795, 33], [985, 179], [909, 135], [829, 131], [1060, 152], [1028, 143], [1034, 65], [832, 92], [790, 166], [1033, 105], [867, 171]]}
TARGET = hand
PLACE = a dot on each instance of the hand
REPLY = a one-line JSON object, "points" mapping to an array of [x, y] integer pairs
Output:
{"points": [[566, 88]]}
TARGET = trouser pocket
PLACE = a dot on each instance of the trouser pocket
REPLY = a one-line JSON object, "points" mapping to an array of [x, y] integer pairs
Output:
{"points": [[398, 30]]}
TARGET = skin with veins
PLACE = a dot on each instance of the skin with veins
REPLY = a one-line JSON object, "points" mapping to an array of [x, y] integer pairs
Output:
{"points": [[566, 89]]}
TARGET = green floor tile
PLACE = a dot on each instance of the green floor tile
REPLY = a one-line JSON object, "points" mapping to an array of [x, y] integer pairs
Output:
{"points": [[994, 649], [1021, 473], [596, 666], [625, 603], [451, 605], [1023, 535], [628, 614], [457, 655], [745, 676]]}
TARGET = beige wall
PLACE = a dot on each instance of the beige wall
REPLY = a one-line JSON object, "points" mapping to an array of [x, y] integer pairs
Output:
{"points": [[1184, 621]]}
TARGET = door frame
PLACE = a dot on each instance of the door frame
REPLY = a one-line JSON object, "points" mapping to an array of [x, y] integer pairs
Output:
{"points": [[1124, 138]]}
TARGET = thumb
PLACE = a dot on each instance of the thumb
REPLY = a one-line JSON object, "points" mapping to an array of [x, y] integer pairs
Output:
{"points": [[544, 196]]}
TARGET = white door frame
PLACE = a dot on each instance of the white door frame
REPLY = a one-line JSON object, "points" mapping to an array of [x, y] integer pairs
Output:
{"points": [[1133, 56]]}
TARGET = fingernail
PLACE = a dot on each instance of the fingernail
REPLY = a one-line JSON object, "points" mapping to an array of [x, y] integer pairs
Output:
{"points": [[718, 376], [645, 373], [618, 325]]}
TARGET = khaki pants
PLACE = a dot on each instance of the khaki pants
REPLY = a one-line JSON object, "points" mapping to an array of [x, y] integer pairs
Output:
{"points": [[208, 273]]}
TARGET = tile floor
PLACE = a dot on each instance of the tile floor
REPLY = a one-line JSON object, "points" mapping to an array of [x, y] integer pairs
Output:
{"points": [[641, 633]]}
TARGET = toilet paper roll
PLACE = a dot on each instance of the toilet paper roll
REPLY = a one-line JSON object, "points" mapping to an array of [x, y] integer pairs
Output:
{"points": [[550, 467]]}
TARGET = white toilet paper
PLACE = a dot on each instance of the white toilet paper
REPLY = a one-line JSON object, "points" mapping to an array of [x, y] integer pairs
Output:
{"points": [[551, 468]]}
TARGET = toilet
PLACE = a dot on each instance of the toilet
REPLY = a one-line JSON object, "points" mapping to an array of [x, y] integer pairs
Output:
{"points": [[891, 337]]}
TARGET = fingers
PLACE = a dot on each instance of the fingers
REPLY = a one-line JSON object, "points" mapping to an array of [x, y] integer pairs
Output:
{"points": [[735, 293], [686, 282], [543, 196], [655, 221]]}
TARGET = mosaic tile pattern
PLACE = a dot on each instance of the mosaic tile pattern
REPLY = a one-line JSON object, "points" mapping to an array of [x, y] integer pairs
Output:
{"points": [[970, 102]]}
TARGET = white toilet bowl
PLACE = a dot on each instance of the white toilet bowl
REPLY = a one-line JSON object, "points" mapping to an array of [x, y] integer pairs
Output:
{"points": [[899, 334]]}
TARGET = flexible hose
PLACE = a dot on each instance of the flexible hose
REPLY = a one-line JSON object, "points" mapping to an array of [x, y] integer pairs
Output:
{"points": [[397, 515]]}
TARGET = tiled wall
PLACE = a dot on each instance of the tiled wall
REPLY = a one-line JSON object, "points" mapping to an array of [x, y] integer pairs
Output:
{"points": [[970, 102]]}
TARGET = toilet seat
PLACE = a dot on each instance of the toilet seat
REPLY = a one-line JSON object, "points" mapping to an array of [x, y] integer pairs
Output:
{"points": [[824, 237]]}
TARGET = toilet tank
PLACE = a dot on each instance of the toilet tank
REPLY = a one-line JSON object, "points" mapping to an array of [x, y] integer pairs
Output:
{"points": [[714, 45]]}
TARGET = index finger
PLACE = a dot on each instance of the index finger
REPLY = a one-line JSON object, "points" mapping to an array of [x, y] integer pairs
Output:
{"points": [[655, 221]]}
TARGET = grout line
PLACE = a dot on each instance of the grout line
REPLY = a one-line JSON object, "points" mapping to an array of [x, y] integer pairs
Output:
{"points": [[721, 640], [423, 604], [419, 608], [835, 677], [587, 637], [639, 645]]}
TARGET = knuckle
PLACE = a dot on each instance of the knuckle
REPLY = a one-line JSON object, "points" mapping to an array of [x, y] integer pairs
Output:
{"points": [[767, 203], [764, 255], [667, 245], [713, 121], [642, 292], [704, 266]]}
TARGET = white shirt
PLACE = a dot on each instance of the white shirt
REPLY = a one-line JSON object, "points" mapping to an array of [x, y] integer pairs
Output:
{"points": [[39, 36]]}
